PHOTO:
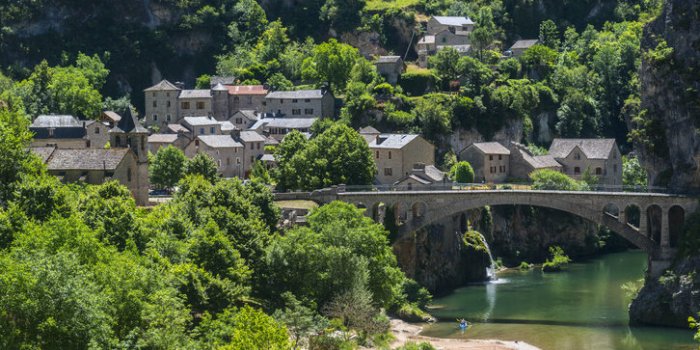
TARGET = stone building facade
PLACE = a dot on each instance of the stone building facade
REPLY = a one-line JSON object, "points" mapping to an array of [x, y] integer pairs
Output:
{"points": [[301, 104], [396, 154], [490, 161]]}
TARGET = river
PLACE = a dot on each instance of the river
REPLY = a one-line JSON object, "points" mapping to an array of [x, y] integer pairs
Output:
{"points": [[582, 308]]}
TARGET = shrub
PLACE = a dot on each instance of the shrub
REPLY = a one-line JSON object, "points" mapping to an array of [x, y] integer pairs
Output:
{"points": [[558, 261], [546, 179], [462, 172], [525, 265], [418, 83]]}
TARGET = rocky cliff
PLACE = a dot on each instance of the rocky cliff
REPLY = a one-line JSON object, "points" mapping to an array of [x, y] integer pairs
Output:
{"points": [[670, 96]]}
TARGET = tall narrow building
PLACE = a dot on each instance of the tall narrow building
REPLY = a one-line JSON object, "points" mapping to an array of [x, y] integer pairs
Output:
{"points": [[128, 133]]}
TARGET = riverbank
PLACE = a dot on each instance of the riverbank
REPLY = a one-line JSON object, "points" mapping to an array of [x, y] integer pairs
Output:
{"points": [[406, 333]]}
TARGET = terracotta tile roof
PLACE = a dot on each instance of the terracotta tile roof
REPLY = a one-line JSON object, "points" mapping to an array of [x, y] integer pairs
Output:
{"points": [[247, 90]]}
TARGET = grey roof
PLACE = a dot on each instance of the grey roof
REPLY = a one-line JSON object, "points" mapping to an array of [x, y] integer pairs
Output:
{"points": [[268, 157], [426, 175], [524, 44], [114, 116], [251, 136], [164, 85], [227, 126], [129, 124], [388, 59], [247, 113], [43, 152], [217, 79], [162, 138], [86, 159], [491, 148], [56, 121], [369, 130], [433, 173], [289, 123], [536, 162], [175, 128], [219, 87], [199, 93], [299, 94], [219, 141], [453, 20], [592, 148], [271, 141], [392, 141], [197, 121]]}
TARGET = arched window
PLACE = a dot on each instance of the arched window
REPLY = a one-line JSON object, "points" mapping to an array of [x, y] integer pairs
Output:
{"points": [[128, 175]]}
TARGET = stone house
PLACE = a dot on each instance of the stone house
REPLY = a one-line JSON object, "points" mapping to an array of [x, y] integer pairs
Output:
{"points": [[455, 24], [278, 128], [600, 157], [395, 155], [247, 97], [244, 119], [201, 126], [66, 131], [423, 176], [253, 149], [490, 161], [157, 141], [128, 133], [369, 133], [195, 103], [161, 104], [523, 162], [390, 67], [224, 149], [520, 46], [301, 104]]}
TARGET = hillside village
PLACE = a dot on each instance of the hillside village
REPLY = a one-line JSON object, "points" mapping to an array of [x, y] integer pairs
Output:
{"points": [[240, 125]]}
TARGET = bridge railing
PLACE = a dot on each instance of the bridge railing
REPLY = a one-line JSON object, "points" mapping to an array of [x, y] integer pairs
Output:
{"points": [[504, 187]]}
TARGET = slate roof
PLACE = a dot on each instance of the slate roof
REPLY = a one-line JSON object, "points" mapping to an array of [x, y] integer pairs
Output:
{"points": [[289, 123], [524, 44], [129, 124], [162, 138], [219, 141], [56, 121], [299, 94], [216, 79], [43, 152], [219, 87], [252, 136], [247, 113], [453, 20], [491, 148], [199, 93], [392, 141], [388, 59], [164, 85], [369, 130], [247, 90], [86, 159], [268, 158], [175, 128], [536, 162], [429, 174], [227, 126], [198, 121], [271, 141], [113, 116], [592, 148]]}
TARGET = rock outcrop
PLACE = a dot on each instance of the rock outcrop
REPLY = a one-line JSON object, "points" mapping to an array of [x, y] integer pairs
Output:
{"points": [[670, 95]]}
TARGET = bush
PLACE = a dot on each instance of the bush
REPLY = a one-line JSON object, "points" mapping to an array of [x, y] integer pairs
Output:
{"points": [[525, 265], [412, 313], [462, 172], [418, 83], [546, 179], [558, 262], [414, 346]]}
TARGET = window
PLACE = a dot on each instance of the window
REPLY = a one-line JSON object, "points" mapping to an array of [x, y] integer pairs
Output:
{"points": [[211, 130], [389, 154], [128, 175], [377, 154], [167, 94], [258, 145], [196, 143], [490, 157], [295, 100], [219, 163], [239, 120], [167, 104], [252, 159], [598, 171], [307, 100], [185, 105], [500, 157], [615, 168], [577, 156], [87, 143], [444, 39], [388, 172], [155, 103], [155, 118], [118, 141], [577, 170], [200, 105], [281, 101], [167, 117], [201, 131], [97, 130], [238, 160], [154, 94], [308, 111], [296, 111]]}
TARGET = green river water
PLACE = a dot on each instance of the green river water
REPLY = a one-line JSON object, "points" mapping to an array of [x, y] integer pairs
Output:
{"points": [[582, 308]]}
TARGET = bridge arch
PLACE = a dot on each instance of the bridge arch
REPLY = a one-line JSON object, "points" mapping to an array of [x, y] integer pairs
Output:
{"points": [[676, 220]]}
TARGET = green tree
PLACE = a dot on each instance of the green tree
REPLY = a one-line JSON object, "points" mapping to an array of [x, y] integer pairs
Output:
{"points": [[474, 75], [204, 165], [633, 174], [14, 158], [484, 32], [539, 61], [343, 15], [546, 179], [445, 64], [432, 113], [166, 167], [357, 102], [462, 172], [256, 330], [303, 322], [279, 82], [331, 62], [260, 174], [549, 34]]}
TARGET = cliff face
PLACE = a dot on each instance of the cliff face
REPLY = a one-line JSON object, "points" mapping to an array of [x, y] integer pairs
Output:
{"points": [[670, 86]]}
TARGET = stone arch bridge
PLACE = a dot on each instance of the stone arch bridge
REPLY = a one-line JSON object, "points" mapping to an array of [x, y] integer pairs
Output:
{"points": [[650, 221]]}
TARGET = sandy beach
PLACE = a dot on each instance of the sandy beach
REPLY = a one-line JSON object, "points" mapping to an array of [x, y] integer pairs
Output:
{"points": [[405, 332]]}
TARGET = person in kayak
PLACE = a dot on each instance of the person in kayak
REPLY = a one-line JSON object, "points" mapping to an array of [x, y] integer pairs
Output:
{"points": [[463, 324]]}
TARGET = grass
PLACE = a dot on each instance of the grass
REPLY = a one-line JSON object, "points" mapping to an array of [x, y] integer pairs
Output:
{"points": [[412, 68], [378, 5], [297, 204]]}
